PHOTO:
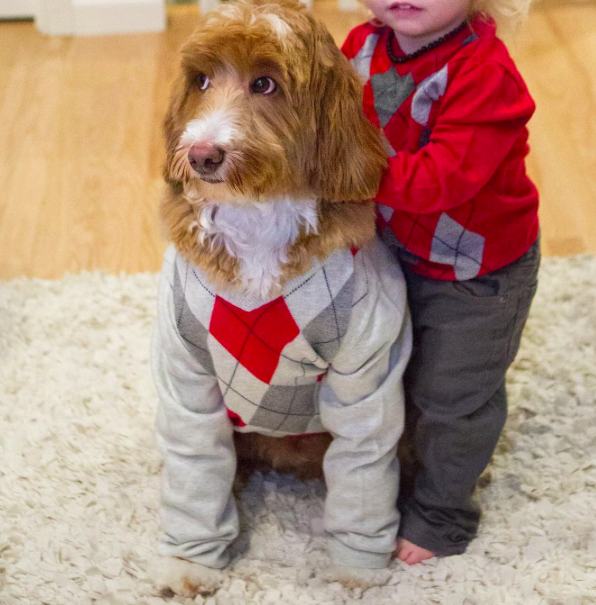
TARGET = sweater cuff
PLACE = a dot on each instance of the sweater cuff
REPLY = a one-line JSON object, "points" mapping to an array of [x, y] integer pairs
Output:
{"points": [[344, 555], [215, 558]]}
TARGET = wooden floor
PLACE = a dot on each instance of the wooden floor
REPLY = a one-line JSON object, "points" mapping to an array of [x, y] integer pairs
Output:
{"points": [[81, 151]]}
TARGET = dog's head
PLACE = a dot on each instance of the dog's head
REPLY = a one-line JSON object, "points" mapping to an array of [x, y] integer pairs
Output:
{"points": [[267, 106]]}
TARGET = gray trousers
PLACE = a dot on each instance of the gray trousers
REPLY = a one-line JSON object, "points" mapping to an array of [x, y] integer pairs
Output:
{"points": [[466, 335]]}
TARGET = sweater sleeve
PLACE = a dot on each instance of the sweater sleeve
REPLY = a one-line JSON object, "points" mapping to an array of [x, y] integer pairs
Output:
{"points": [[362, 406], [347, 46], [483, 114], [199, 516], [357, 37]]}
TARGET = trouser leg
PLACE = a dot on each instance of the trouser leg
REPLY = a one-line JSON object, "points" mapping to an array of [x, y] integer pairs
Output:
{"points": [[466, 335], [452, 453]]}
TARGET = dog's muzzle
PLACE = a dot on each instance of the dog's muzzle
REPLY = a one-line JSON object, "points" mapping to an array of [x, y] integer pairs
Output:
{"points": [[206, 159]]}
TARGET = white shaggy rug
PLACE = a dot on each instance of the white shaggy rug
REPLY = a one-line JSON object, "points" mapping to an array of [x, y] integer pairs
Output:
{"points": [[79, 468]]}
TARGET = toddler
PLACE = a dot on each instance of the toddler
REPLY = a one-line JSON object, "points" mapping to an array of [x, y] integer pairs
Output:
{"points": [[456, 206]]}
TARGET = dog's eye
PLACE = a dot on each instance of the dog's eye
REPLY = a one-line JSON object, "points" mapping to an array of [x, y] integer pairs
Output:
{"points": [[202, 81], [263, 86]]}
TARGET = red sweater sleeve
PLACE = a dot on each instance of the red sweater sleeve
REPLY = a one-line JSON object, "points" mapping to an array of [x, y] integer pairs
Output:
{"points": [[483, 114], [347, 47]]}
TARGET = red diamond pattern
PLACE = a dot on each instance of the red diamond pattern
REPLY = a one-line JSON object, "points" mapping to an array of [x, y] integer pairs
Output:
{"points": [[255, 338], [235, 418]]}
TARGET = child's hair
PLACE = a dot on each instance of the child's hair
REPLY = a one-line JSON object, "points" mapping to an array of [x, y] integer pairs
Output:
{"points": [[508, 14]]}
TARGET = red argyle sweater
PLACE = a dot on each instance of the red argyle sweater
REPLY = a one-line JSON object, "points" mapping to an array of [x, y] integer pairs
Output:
{"points": [[455, 199]]}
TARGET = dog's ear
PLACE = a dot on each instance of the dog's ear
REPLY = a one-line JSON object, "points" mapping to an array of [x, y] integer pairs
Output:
{"points": [[173, 127], [349, 156]]}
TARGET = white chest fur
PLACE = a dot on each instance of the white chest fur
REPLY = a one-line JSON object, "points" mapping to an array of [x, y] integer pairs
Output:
{"points": [[259, 235]]}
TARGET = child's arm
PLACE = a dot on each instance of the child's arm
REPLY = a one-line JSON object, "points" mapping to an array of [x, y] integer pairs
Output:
{"points": [[356, 38], [482, 118]]}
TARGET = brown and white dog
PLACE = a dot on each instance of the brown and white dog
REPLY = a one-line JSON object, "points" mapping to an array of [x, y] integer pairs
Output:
{"points": [[271, 165]]}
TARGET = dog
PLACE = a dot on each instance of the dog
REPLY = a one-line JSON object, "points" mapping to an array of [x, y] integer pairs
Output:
{"points": [[282, 328]]}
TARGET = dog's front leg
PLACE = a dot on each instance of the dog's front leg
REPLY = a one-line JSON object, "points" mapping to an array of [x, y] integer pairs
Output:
{"points": [[362, 405], [198, 511]]}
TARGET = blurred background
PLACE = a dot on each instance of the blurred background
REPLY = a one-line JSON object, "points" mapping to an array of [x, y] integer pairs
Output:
{"points": [[81, 147]]}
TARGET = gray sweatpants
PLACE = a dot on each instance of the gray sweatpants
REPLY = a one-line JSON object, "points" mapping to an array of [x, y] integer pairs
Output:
{"points": [[466, 335]]}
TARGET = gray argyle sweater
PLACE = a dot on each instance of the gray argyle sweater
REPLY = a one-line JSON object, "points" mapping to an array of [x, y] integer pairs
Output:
{"points": [[328, 354]]}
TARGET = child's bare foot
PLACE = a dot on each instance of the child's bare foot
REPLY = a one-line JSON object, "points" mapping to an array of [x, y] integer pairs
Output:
{"points": [[410, 553]]}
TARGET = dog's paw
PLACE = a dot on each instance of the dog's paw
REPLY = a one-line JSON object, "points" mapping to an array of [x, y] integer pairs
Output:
{"points": [[183, 577], [356, 577]]}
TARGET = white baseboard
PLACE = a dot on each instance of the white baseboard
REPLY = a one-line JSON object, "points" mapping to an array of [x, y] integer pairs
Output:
{"points": [[94, 17], [101, 17], [55, 17], [17, 9]]}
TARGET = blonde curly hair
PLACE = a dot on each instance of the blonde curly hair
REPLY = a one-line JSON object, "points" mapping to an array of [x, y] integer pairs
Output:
{"points": [[509, 14]]}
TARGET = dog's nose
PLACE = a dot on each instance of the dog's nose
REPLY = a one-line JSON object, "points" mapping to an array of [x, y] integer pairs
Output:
{"points": [[205, 158]]}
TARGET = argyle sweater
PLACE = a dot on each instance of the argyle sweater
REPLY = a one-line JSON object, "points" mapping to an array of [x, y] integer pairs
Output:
{"points": [[455, 200], [327, 354]]}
